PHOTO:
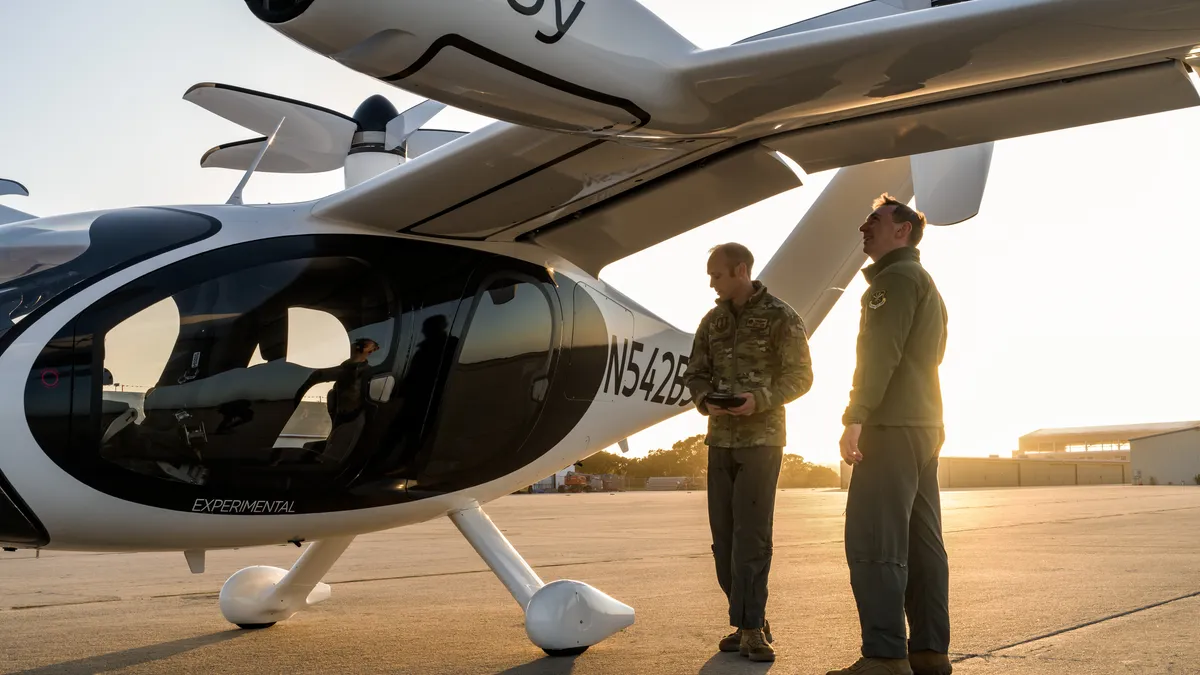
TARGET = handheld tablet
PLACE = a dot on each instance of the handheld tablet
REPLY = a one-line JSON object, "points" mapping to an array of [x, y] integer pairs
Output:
{"points": [[722, 400]]}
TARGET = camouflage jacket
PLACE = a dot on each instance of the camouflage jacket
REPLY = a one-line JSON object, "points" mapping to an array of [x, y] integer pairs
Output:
{"points": [[761, 350], [901, 342]]}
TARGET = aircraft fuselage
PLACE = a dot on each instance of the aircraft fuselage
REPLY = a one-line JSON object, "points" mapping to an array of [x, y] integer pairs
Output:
{"points": [[186, 379]]}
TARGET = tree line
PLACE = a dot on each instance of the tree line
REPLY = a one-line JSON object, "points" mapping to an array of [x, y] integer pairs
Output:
{"points": [[689, 457]]}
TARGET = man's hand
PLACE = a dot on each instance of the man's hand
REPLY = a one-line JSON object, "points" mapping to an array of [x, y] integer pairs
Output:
{"points": [[715, 410], [746, 408], [849, 444]]}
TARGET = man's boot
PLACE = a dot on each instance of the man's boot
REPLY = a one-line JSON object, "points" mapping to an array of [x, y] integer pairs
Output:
{"points": [[930, 663], [876, 666], [733, 641], [755, 646]]}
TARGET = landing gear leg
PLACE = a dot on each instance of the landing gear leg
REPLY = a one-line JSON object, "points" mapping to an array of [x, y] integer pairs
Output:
{"points": [[260, 596], [562, 617]]}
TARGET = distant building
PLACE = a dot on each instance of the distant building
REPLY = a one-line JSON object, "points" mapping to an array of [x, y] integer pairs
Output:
{"points": [[1105, 443], [1167, 458]]}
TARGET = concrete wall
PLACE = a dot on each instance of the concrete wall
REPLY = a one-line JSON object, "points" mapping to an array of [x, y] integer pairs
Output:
{"points": [[1169, 459], [969, 472], [990, 472]]}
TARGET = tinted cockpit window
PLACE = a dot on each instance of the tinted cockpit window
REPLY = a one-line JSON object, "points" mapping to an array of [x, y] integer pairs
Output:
{"points": [[305, 374], [498, 384], [264, 368], [41, 259]]}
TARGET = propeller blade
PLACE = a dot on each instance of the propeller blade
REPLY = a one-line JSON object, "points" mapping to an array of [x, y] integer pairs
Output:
{"points": [[310, 128], [278, 158], [12, 187], [423, 140], [408, 122]]}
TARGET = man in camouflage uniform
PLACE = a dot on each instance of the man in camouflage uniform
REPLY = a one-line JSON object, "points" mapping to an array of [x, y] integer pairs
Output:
{"points": [[752, 344], [893, 437]]}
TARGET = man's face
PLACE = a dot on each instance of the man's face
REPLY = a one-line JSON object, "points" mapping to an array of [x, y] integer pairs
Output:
{"points": [[881, 235], [721, 278]]}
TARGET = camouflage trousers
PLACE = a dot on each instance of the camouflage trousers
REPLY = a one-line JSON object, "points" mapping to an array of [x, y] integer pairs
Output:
{"points": [[894, 547], [741, 514]]}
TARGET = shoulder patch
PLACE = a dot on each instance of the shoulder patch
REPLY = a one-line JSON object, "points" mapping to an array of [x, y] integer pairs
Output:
{"points": [[878, 298]]}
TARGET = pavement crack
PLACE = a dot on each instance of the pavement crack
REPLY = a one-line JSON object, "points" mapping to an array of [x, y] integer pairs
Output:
{"points": [[991, 653], [70, 603]]}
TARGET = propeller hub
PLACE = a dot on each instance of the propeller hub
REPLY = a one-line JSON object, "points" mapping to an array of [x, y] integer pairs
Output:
{"points": [[374, 114]]}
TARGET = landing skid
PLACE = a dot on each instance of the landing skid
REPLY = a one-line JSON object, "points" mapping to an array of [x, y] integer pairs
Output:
{"points": [[261, 596], [562, 617]]}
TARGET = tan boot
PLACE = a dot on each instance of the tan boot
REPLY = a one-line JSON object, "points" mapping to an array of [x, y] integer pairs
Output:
{"points": [[876, 666], [755, 646], [930, 663], [733, 641]]}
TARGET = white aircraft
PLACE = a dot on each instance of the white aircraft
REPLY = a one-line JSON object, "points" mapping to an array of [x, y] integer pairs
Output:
{"points": [[461, 278]]}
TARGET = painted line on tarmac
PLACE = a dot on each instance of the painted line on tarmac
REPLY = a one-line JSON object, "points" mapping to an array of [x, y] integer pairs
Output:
{"points": [[1143, 608]]}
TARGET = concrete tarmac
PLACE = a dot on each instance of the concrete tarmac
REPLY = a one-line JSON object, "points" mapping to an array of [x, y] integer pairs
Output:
{"points": [[1078, 580]]}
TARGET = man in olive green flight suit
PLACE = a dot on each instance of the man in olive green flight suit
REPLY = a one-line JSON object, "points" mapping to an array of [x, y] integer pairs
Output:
{"points": [[752, 344], [893, 436]]}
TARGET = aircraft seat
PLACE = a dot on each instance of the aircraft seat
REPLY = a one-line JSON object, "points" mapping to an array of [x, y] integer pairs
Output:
{"points": [[272, 381], [241, 412]]}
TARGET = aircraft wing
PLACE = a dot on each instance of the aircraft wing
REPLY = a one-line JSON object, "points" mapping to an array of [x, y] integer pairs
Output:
{"points": [[512, 182], [504, 182], [961, 74], [939, 84]]}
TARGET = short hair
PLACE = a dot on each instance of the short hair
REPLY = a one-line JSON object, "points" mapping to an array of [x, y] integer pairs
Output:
{"points": [[735, 254], [361, 344], [902, 213]]}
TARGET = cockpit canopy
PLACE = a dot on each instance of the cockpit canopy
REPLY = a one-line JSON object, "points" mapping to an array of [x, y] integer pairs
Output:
{"points": [[41, 259]]}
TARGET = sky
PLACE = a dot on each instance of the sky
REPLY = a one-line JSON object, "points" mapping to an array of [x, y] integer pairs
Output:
{"points": [[1072, 295]]}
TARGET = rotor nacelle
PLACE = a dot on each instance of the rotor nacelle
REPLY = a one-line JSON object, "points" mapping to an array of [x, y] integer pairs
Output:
{"points": [[579, 66]]}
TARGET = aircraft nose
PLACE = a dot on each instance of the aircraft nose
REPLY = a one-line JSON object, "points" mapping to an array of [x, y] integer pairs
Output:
{"points": [[17, 527], [278, 11]]}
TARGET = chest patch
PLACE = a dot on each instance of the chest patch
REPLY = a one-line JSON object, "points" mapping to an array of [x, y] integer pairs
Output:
{"points": [[757, 323], [720, 324], [878, 298]]}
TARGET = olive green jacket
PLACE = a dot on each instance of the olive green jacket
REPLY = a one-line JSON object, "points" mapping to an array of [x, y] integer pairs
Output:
{"points": [[762, 350], [901, 342]]}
